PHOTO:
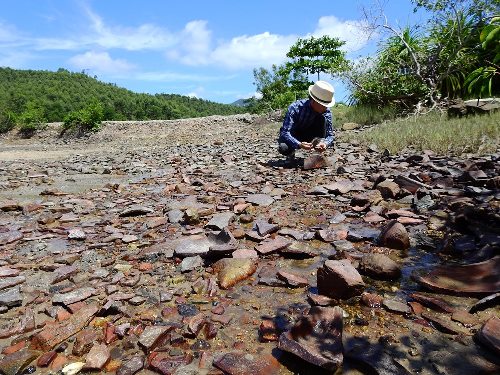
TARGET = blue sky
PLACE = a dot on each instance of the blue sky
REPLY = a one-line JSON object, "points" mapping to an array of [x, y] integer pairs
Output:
{"points": [[203, 48]]}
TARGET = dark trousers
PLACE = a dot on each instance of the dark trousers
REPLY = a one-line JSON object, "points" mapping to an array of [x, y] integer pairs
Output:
{"points": [[304, 133]]}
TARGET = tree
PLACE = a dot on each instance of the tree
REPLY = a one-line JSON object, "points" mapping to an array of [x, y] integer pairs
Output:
{"points": [[480, 81], [316, 55], [428, 67]]}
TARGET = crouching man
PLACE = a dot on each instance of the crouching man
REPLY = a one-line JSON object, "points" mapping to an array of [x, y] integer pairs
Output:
{"points": [[308, 122]]}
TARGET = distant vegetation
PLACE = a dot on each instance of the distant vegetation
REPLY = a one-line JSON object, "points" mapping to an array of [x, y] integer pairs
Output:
{"points": [[29, 98], [455, 55]]}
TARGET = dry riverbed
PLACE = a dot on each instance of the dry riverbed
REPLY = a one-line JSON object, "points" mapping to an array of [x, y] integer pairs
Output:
{"points": [[190, 247]]}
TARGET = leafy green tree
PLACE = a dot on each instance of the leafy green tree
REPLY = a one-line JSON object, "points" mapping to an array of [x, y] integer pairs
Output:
{"points": [[316, 55], [480, 81]]}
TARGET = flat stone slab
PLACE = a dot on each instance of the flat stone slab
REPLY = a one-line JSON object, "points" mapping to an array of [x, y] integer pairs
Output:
{"points": [[236, 363], [53, 334], [478, 279]]}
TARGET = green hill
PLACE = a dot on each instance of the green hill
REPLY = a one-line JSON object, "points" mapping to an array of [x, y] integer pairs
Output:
{"points": [[59, 93]]}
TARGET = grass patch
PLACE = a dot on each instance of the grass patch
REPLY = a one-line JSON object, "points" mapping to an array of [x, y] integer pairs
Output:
{"points": [[436, 132], [362, 114]]}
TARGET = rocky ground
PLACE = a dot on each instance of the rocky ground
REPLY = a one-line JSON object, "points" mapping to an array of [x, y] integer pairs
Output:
{"points": [[189, 247]]}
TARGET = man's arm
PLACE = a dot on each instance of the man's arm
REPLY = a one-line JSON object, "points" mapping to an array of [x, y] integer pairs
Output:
{"points": [[285, 135], [329, 137]]}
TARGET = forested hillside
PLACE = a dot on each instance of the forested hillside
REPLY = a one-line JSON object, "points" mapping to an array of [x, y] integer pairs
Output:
{"points": [[58, 93]]}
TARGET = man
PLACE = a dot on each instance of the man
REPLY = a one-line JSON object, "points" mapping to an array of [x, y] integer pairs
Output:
{"points": [[308, 122]]}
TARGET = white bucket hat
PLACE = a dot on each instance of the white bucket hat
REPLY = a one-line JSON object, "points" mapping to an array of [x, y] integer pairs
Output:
{"points": [[322, 93]]}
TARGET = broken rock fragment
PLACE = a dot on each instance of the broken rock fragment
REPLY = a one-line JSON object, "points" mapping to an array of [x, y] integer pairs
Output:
{"points": [[232, 270], [317, 338]]}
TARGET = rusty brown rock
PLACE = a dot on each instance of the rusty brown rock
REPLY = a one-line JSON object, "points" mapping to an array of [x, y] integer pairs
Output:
{"points": [[236, 363], [477, 279], [55, 333], [394, 236]]}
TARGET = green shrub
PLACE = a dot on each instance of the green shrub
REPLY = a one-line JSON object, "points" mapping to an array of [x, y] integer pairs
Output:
{"points": [[86, 119], [7, 121], [31, 120]]}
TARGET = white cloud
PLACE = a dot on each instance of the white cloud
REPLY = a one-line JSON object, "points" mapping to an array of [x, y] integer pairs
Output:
{"points": [[265, 49], [143, 37], [193, 44], [352, 32], [251, 51], [100, 62]]}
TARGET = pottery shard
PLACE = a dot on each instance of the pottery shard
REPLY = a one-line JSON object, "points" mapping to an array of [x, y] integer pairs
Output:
{"points": [[272, 245], [236, 363], [97, 357], [388, 189], [232, 270], [339, 279], [477, 279], [316, 161], [489, 334], [55, 333], [152, 336], [317, 338], [394, 236], [379, 266]]}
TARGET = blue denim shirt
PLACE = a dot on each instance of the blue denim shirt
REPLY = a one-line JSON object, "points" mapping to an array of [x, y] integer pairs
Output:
{"points": [[301, 113]]}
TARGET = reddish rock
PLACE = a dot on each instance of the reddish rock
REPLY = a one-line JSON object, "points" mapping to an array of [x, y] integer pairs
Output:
{"points": [[394, 236], [46, 358], [465, 318], [97, 357], [292, 280], [166, 364], [339, 279], [272, 245], [444, 324], [268, 331], [236, 363], [315, 161], [14, 348], [53, 334], [317, 338], [477, 279], [154, 336], [489, 334], [84, 341], [434, 303], [379, 266]]}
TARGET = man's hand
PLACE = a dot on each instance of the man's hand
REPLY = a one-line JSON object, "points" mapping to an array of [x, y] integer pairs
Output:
{"points": [[306, 145], [321, 146]]}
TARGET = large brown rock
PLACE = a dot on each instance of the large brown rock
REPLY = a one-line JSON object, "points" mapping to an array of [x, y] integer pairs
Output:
{"points": [[339, 279], [236, 363], [379, 266], [394, 236]]}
